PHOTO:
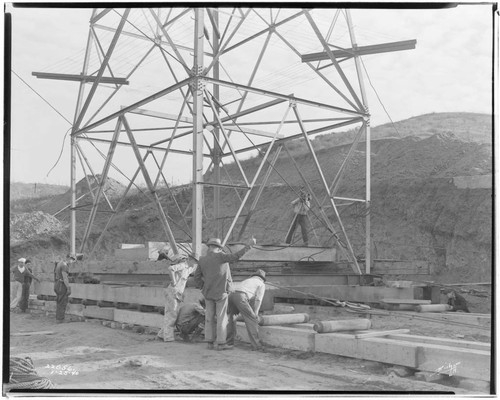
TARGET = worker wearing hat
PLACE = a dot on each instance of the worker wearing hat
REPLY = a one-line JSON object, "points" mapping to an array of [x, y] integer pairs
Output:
{"points": [[246, 300], [301, 205], [61, 286], [20, 272], [213, 276]]}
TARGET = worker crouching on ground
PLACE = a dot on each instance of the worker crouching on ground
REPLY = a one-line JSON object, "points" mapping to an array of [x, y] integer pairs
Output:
{"points": [[213, 276], [191, 320], [246, 301], [457, 301], [20, 272], [301, 206], [61, 286]]}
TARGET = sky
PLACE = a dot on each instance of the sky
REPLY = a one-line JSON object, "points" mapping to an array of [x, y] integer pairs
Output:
{"points": [[449, 71]]}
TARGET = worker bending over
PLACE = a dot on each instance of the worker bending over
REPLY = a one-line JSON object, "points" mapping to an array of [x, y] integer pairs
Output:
{"points": [[213, 276], [246, 301]]}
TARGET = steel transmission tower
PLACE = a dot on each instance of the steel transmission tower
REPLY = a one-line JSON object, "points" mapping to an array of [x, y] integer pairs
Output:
{"points": [[212, 86]]}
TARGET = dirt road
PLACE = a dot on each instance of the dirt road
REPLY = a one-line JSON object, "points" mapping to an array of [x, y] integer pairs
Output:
{"points": [[102, 358]]}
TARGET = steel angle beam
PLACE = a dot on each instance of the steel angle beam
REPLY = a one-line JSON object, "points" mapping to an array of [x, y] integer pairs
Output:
{"points": [[362, 50], [80, 78]]}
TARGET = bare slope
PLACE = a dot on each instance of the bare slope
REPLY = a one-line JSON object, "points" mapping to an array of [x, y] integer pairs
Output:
{"points": [[418, 212]]}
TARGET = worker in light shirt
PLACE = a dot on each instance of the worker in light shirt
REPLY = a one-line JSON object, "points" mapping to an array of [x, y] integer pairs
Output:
{"points": [[246, 300]]}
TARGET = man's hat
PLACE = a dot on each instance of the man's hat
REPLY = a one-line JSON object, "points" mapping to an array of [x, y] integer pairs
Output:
{"points": [[260, 273], [214, 242], [22, 260]]}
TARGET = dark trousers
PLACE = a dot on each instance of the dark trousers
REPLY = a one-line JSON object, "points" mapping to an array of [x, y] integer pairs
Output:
{"points": [[61, 300], [25, 296], [190, 327], [299, 219], [239, 304]]}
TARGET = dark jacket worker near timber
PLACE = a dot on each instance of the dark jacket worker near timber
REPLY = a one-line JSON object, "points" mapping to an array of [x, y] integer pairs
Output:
{"points": [[61, 286], [213, 276]]}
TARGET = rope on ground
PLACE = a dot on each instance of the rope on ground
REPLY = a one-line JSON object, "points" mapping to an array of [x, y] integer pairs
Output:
{"points": [[22, 375]]}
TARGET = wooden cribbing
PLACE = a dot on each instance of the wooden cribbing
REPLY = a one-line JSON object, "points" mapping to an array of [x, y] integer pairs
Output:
{"points": [[342, 325], [405, 301]]}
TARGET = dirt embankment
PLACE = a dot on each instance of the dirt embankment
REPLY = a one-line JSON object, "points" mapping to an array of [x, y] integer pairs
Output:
{"points": [[417, 211]]}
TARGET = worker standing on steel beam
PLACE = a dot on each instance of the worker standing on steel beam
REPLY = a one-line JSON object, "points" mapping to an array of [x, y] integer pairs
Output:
{"points": [[213, 276], [246, 300], [61, 286], [302, 204]]}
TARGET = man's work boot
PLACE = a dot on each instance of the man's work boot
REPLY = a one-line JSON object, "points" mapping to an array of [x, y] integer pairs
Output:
{"points": [[210, 346]]}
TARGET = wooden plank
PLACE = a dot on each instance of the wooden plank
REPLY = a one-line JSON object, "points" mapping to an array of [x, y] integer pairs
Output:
{"points": [[98, 312], [362, 294], [139, 318], [468, 363], [374, 349], [32, 333], [136, 254], [264, 253], [405, 301], [463, 362], [131, 246], [380, 333], [281, 336], [443, 341]]}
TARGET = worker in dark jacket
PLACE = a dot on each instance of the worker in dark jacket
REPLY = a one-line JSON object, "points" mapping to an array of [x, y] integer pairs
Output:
{"points": [[190, 320], [246, 301], [457, 301], [23, 304], [19, 273], [61, 286], [213, 276]]}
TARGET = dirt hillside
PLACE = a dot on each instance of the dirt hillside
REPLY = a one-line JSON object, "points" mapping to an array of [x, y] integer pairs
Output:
{"points": [[426, 200]]}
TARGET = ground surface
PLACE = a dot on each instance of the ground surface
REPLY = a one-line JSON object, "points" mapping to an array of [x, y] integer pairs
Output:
{"points": [[104, 358]]}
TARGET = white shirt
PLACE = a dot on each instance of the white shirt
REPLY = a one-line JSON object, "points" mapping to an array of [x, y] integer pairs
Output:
{"points": [[254, 287]]}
